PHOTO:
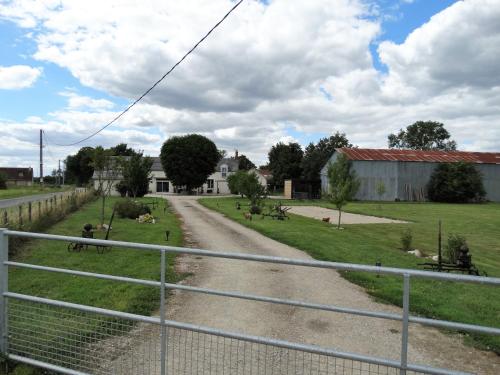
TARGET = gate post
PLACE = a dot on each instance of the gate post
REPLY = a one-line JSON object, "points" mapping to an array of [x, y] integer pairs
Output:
{"points": [[404, 332], [4, 273], [163, 328]]}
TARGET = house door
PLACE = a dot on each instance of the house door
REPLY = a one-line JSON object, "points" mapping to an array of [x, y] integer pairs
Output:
{"points": [[162, 186]]}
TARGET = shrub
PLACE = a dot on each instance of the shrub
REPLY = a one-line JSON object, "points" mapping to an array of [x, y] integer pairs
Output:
{"points": [[255, 210], [407, 240], [130, 209], [3, 181], [456, 183], [455, 242], [122, 188]]}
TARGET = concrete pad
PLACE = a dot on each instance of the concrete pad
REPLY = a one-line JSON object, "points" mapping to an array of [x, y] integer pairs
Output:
{"points": [[346, 218]]}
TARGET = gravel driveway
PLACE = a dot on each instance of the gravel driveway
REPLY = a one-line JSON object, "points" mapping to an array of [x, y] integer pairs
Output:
{"points": [[375, 337], [346, 218]]}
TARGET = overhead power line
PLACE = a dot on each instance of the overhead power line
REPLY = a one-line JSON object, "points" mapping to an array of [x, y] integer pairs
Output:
{"points": [[156, 83]]}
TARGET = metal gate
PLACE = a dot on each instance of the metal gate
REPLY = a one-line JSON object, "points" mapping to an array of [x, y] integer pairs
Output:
{"points": [[77, 339]]}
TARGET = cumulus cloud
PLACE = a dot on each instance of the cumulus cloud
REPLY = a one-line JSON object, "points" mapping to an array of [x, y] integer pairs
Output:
{"points": [[266, 71], [18, 76]]}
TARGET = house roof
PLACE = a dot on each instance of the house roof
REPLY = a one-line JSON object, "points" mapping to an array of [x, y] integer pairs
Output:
{"points": [[156, 167], [232, 164], [420, 155], [17, 174]]}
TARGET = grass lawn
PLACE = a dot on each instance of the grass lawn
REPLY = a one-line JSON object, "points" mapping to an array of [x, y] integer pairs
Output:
{"points": [[88, 291], [118, 261], [21, 191], [369, 243]]}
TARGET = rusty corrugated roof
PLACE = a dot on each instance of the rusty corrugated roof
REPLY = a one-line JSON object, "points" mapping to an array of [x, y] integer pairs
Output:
{"points": [[421, 155]]}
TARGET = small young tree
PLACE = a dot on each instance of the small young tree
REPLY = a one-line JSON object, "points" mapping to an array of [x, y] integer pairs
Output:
{"points": [[107, 170], [250, 187], [136, 174], [380, 192], [343, 183], [234, 181]]}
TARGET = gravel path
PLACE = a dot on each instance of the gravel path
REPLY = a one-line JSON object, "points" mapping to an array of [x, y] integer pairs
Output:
{"points": [[346, 218], [375, 337]]}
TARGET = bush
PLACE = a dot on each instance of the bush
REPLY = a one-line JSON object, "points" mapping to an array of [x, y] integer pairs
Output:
{"points": [[130, 209], [407, 240], [455, 242], [3, 181], [456, 183], [255, 210], [122, 188]]}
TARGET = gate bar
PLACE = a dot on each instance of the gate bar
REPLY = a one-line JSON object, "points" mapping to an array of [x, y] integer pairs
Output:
{"points": [[263, 258], [252, 297]]}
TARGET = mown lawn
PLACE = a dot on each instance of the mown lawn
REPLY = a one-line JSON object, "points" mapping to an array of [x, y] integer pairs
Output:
{"points": [[367, 244], [21, 191], [124, 262]]}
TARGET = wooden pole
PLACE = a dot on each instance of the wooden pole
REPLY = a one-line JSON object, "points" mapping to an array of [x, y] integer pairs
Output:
{"points": [[20, 221], [440, 259], [29, 212]]}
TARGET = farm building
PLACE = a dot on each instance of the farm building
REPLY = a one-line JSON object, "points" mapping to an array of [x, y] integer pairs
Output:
{"points": [[18, 176], [405, 173]]}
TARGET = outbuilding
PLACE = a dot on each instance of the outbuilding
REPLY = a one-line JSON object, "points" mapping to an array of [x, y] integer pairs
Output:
{"points": [[406, 173]]}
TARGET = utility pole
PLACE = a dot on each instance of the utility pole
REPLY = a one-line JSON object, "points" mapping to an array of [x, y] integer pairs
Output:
{"points": [[41, 158], [59, 173]]}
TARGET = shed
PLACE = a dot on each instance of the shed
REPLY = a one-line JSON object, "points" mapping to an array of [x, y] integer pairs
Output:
{"points": [[18, 176], [406, 173]]}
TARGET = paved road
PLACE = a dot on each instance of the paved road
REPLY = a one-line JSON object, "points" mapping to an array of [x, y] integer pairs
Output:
{"points": [[192, 353], [6, 203]]}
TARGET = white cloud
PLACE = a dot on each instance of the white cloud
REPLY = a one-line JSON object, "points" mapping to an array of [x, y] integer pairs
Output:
{"points": [[262, 71], [18, 76]]}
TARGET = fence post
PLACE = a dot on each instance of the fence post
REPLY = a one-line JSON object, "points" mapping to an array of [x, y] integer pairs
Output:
{"points": [[404, 332], [4, 273], [163, 328], [39, 209], [5, 218], [20, 221], [29, 212]]}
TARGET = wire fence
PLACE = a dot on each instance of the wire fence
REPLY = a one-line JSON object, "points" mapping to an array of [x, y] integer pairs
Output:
{"points": [[92, 343], [22, 216]]}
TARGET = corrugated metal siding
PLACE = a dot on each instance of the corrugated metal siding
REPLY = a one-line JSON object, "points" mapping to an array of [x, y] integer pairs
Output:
{"points": [[407, 180]]}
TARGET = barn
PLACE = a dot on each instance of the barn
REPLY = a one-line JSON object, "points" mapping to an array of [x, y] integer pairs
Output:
{"points": [[405, 173]]}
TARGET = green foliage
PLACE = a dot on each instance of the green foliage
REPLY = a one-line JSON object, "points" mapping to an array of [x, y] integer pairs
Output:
{"points": [[136, 174], [234, 180], [316, 156], [380, 189], [343, 183], [455, 242], [285, 161], [122, 188], [244, 163], [247, 184], [188, 160], [407, 240], [3, 181], [423, 135], [79, 168], [122, 150], [127, 208], [456, 183]]}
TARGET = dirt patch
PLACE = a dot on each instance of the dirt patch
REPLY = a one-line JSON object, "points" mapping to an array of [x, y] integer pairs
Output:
{"points": [[320, 213]]}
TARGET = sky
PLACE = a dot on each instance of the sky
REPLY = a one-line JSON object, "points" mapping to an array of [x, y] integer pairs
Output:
{"points": [[275, 70]]}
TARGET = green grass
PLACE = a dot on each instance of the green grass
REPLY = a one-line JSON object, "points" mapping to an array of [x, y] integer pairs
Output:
{"points": [[123, 262], [367, 244], [22, 191]]}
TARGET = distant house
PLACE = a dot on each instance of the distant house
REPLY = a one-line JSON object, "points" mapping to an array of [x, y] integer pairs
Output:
{"points": [[263, 175], [406, 173], [18, 176], [159, 184]]}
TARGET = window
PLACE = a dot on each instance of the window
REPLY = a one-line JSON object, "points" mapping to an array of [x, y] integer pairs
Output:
{"points": [[210, 184], [21, 174], [223, 170], [162, 186]]}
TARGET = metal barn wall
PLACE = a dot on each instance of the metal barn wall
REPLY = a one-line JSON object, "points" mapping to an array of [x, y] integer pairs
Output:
{"points": [[491, 180], [407, 180]]}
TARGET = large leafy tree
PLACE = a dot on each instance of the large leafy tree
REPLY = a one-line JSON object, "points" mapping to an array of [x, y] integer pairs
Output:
{"points": [[79, 167], [122, 150], [136, 174], [456, 183], [285, 161], [316, 155], [343, 183], [188, 160], [244, 163], [423, 135]]}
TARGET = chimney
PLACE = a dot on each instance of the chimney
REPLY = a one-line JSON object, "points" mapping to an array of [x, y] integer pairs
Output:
{"points": [[236, 154]]}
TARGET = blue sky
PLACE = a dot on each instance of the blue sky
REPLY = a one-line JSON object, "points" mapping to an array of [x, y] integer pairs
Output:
{"points": [[274, 71]]}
